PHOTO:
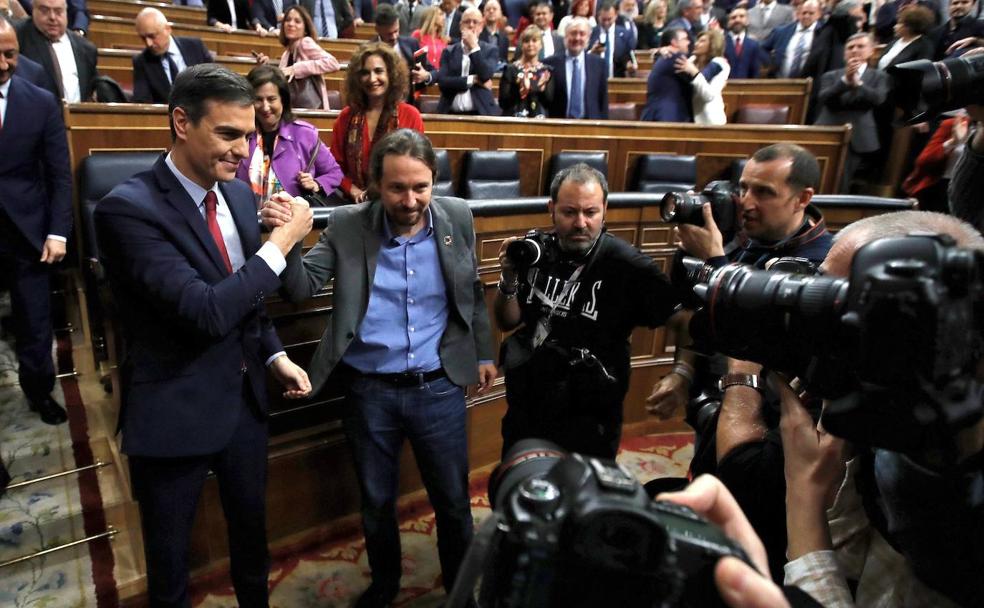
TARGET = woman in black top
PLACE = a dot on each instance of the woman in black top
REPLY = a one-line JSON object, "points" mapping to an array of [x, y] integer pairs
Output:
{"points": [[526, 87]]}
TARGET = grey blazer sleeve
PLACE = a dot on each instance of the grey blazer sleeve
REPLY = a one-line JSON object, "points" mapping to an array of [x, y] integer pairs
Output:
{"points": [[305, 275]]}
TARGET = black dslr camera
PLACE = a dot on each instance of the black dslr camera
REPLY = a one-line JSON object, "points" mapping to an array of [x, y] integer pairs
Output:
{"points": [[894, 347], [574, 531], [926, 88], [685, 208], [534, 250]]}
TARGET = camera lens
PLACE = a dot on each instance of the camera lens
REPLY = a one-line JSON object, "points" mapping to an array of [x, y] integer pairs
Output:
{"points": [[681, 208], [524, 252], [528, 458]]}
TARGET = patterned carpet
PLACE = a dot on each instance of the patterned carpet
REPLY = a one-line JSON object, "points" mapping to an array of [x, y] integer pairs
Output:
{"points": [[48, 513], [333, 575]]}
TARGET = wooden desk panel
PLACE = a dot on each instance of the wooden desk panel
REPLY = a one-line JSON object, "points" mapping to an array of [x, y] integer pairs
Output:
{"points": [[128, 9]]}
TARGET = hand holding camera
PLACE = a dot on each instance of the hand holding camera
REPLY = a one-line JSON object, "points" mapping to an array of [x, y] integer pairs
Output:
{"points": [[704, 242]]}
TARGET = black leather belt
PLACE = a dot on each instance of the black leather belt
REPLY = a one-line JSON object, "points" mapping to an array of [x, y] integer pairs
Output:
{"points": [[407, 379]]}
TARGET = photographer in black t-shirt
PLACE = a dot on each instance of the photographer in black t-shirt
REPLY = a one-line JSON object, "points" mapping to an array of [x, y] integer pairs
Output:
{"points": [[567, 364], [739, 440]]}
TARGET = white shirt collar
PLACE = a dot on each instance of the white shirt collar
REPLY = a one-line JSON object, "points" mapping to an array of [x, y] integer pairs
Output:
{"points": [[172, 47], [808, 30], [64, 38], [579, 56], [196, 192], [5, 89]]}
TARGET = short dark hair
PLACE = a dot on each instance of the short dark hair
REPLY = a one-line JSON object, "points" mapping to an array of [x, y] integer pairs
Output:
{"points": [[535, 3], [402, 142], [804, 171], [386, 15], [918, 19], [195, 86], [669, 36], [581, 173], [309, 30], [608, 5], [271, 74]]}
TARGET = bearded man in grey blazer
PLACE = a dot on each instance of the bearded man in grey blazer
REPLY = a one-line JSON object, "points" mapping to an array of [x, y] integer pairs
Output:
{"points": [[408, 332]]}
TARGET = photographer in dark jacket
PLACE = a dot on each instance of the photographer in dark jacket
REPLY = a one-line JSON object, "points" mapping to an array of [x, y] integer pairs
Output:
{"points": [[739, 440], [567, 365]]}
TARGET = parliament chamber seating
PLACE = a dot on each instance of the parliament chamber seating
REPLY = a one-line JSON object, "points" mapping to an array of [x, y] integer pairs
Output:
{"points": [[662, 173], [444, 182], [762, 114], [562, 160], [489, 174], [623, 110]]}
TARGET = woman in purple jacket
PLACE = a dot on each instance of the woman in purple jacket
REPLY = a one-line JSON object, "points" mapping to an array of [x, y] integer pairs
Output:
{"points": [[284, 153]]}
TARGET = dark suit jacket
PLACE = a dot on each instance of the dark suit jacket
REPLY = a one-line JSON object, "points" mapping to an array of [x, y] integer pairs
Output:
{"points": [[501, 43], [150, 85], [668, 94], [842, 104], [624, 43], [920, 48], [31, 71], [218, 12], [34, 45], [344, 19], [347, 252], [189, 327], [944, 36], [595, 85], [35, 179], [407, 47], [263, 12], [451, 82], [751, 60]]}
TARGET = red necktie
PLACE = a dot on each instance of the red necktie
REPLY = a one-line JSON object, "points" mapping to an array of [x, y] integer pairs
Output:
{"points": [[738, 46], [213, 227]]}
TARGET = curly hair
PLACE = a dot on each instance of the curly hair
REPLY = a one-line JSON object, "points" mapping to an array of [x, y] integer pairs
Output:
{"points": [[396, 72]]}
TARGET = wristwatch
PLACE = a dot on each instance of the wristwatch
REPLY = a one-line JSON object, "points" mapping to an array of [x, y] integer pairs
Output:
{"points": [[749, 380]]}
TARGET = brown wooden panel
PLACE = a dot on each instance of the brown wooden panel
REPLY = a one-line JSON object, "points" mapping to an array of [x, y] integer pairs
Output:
{"points": [[128, 9]]}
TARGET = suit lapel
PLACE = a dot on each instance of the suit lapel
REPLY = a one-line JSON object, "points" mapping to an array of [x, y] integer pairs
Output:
{"points": [[444, 235], [177, 197], [155, 73], [244, 215], [371, 240]]}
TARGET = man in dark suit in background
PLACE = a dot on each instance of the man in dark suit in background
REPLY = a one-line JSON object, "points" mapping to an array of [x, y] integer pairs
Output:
{"points": [[219, 15], [422, 73], [267, 14], [849, 96], [613, 42], [580, 78], [542, 15], [165, 56], [961, 24], [689, 19], [465, 75], [492, 33], [338, 21], [69, 58], [744, 53], [181, 248], [668, 95], [77, 12], [35, 218], [789, 46]]}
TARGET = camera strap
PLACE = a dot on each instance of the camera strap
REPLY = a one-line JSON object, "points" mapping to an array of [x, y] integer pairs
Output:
{"points": [[543, 325]]}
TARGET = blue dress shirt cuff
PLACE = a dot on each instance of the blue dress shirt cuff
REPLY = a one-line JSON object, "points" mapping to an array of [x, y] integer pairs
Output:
{"points": [[273, 257]]}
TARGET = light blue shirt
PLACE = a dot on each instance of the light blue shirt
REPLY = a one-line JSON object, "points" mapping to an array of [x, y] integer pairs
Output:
{"points": [[408, 307], [327, 29], [569, 65], [175, 53]]}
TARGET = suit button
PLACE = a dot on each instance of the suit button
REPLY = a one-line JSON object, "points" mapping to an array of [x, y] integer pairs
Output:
{"points": [[350, 335]]}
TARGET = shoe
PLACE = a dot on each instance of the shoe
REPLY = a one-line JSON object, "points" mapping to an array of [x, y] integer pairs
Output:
{"points": [[50, 411], [377, 596]]}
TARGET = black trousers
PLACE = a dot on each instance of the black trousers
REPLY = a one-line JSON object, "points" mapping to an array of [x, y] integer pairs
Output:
{"points": [[30, 295], [168, 490]]}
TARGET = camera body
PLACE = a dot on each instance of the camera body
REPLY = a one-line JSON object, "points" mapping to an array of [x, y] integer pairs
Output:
{"points": [[580, 531], [685, 208], [535, 250], [894, 346], [926, 88]]}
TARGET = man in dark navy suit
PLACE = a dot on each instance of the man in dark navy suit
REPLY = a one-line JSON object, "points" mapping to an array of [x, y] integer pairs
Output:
{"points": [[181, 248], [613, 42], [465, 75], [35, 218], [744, 53], [422, 73], [69, 58], [165, 56], [668, 94], [492, 33], [581, 79]]}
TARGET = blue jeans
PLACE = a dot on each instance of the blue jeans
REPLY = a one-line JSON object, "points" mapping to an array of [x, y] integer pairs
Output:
{"points": [[432, 417]]}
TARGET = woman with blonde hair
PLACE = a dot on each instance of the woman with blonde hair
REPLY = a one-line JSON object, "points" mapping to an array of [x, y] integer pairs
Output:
{"points": [[376, 87], [431, 34], [526, 88], [708, 70], [653, 23], [304, 63]]}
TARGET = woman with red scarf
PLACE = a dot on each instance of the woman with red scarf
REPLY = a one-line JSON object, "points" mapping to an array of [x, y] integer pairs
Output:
{"points": [[376, 83]]}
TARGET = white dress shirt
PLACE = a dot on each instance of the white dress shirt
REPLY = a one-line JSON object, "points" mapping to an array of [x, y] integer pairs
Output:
{"points": [[893, 51], [609, 48], [233, 18], [68, 67], [548, 45], [787, 62], [462, 102]]}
